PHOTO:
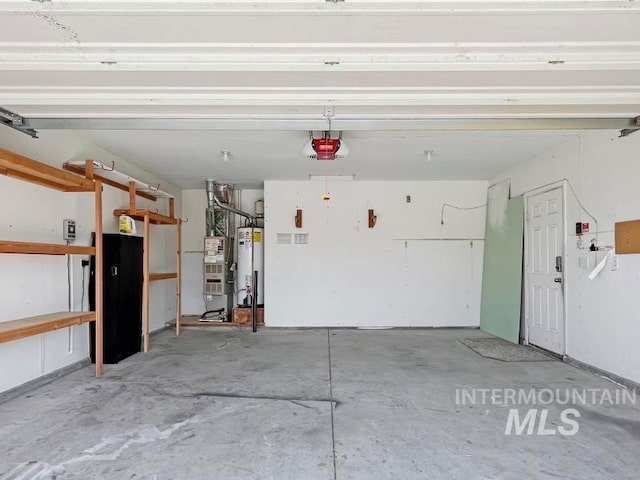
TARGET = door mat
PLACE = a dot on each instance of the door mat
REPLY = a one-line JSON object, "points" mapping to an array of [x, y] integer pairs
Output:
{"points": [[500, 349]]}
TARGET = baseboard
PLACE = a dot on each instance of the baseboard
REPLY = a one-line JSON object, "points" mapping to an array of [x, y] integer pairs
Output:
{"points": [[625, 382], [159, 330], [372, 328], [43, 380]]}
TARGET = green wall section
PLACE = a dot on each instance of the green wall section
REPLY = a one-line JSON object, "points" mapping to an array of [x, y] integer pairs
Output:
{"points": [[502, 275]]}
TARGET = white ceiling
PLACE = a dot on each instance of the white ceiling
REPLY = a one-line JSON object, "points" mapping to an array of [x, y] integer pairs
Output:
{"points": [[187, 158], [105, 58], [267, 61]]}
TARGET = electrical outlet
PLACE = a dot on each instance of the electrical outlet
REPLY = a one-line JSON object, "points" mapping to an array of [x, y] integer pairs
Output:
{"points": [[583, 262], [614, 263]]}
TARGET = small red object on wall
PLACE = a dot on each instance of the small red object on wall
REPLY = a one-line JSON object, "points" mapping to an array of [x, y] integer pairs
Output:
{"points": [[298, 218], [373, 218]]}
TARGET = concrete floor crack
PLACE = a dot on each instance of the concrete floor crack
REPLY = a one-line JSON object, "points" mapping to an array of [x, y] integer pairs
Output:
{"points": [[277, 398], [333, 405]]}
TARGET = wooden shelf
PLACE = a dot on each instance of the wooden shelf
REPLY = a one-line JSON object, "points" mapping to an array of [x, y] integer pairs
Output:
{"points": [[24, 168], [26, 327], [161, 276], [194, 321], [29, 170], [82, 170], [155, 218], [44, 248]]}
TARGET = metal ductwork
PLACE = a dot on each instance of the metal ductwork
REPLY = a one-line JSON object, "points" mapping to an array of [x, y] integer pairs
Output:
{"points": [[220, 195]]}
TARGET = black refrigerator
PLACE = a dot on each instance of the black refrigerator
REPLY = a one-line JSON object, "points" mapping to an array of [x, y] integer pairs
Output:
{"points": [[122, 297]]}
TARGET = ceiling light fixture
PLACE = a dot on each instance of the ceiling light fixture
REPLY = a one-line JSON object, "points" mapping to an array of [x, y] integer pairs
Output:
{"points": [[429, 155], [225, 155]]}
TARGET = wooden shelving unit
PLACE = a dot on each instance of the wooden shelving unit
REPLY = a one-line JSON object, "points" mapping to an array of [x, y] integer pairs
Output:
{"points": [[154, 218], [136, 188], [29, 170]]}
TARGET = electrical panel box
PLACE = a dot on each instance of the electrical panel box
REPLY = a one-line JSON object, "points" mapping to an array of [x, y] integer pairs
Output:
{"points": [[69, 230]]}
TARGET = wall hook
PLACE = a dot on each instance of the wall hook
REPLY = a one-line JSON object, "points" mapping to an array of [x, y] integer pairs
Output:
{"points": [[373, 218], [298, 218], [107, 169]]}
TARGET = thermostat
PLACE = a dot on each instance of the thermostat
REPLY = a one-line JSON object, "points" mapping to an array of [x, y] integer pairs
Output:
{"points": [[69, 230]]}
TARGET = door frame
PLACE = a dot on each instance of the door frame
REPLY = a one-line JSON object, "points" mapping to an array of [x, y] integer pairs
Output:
{"points": [[562, 184]]}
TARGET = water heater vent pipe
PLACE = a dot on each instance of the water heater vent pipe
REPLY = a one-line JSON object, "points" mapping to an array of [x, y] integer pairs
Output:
{"points": [[212, 199]]}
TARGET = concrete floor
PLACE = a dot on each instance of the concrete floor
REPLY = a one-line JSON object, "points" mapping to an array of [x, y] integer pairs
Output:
{"points": [[229, 404]]}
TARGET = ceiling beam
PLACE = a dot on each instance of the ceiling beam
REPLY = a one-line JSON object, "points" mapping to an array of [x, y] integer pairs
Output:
{"points": [[323, 62], [321, 57], [578, 96], [353, 124], [277, 7]]}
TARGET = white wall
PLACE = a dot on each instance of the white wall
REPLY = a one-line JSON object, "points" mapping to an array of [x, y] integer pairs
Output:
{"points": [[397, 274], [33, 285], [603, 315], [194, 204]]}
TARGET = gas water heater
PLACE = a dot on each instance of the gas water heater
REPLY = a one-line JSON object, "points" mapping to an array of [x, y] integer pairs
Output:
{"points": [[250, 250]]}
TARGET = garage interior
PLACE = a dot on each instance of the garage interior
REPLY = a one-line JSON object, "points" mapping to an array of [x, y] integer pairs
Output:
{"points": [[319, 239]]}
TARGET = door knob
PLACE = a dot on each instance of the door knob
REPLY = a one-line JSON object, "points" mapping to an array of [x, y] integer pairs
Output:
{"points": [[558, 280]]}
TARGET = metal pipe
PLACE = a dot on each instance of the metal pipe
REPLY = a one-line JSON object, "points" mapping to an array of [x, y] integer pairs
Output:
{"points": [[254, 305], [213, 199], [254, 298]]}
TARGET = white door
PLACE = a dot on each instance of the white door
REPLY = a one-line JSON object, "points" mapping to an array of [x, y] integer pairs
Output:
{"points": [[544, 242]]}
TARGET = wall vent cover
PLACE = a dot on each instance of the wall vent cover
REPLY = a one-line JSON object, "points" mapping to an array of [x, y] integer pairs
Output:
{"points": [[283, 239], [301, 239]]}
